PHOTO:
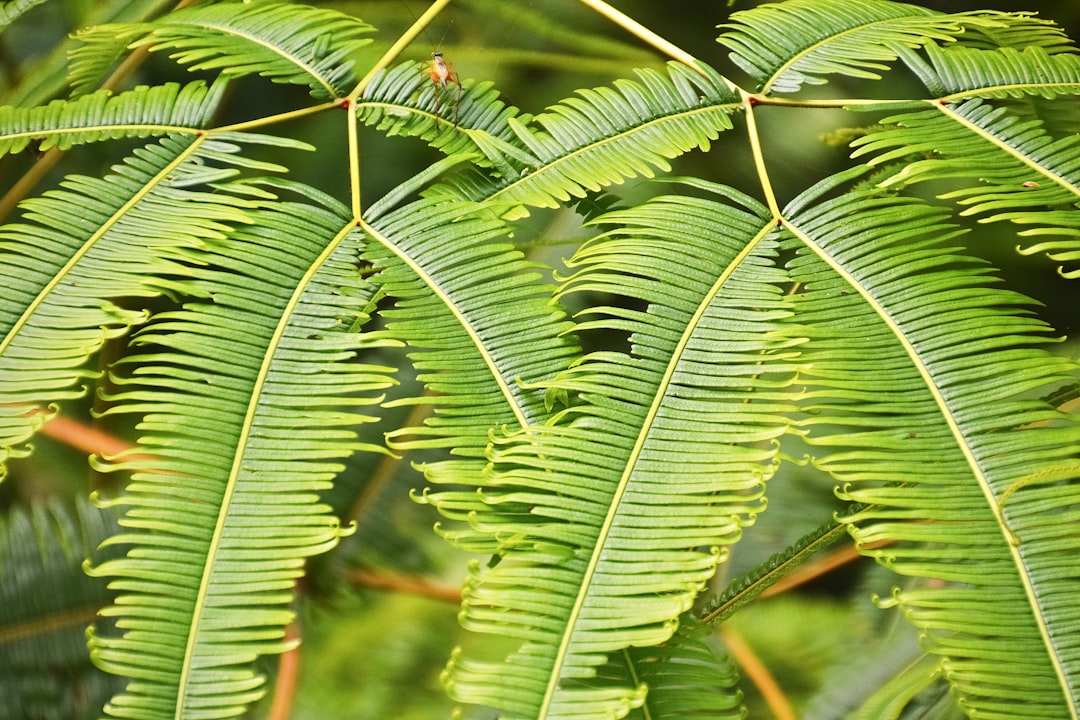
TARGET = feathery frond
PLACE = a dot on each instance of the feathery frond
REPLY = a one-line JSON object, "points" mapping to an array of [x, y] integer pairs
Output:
{"points": [[907, 342], [466, 301], [785, 45], [45, 77], [615, 512], [1004, 72], [1016, 170], [1019, 30], [248, 410], [82, 248], [689, 678], [140, 112], [287, 43], [472, 118], [606, 135], [46, 602]]}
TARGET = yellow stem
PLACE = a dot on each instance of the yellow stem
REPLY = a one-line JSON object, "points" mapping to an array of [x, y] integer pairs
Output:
{"points": [[395, 50]]}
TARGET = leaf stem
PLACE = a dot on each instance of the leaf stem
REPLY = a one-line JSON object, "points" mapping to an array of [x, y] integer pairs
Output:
{"points": [[273, 119], [402, 42], [759, 157]]}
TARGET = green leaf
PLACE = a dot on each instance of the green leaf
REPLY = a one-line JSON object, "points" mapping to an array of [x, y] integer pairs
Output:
{"points": [[143, 111], [44, 78], [1013, 169], [462, 117], [920, 379], [293, 44], [999, 73], [249, 404], [615, 511], [605, 135], [83, 247], [783, 46], [466, 300]]}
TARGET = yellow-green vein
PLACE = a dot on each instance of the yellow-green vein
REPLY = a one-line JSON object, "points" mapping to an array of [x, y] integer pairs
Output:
{"points": [[965, 448], [234, 472], [631, 461], [1007, 148], [448, 302], [97, 235], [629, 132]]}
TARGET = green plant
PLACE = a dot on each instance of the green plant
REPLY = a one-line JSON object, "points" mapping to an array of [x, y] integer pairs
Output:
{"points": [[257, 325]]}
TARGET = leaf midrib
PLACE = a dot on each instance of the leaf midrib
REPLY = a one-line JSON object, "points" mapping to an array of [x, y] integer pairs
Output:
{"points": [[273, 345], [463, 321], [635, 453], [77, 257], [965, 449]]}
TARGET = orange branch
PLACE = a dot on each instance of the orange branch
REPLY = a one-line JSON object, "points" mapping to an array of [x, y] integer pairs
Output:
{"points": [[401, 584], [758, 674], [288, 674]]}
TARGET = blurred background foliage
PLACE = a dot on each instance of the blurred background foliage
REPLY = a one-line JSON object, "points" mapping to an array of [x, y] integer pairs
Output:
{"points": [[378, 614]]}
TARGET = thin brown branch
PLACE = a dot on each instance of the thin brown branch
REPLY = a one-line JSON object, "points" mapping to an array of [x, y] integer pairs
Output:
{"points": [[407, 585], [84, 437], [287, 677], [756, 671]]}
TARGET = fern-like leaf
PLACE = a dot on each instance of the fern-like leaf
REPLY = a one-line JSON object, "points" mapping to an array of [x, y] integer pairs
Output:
{"points": [[607, 135], [86, 245], [143, 111], [1020, 30], [1005, 72], [615, 511], [783, 46], [996, 486], [1016, 170], [689, 678], [404, 101], [46, 602], [249, 407], [287, 43], [465, 299]]}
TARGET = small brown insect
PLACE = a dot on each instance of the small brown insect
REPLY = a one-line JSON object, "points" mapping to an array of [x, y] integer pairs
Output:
{"points": [[442, 75]]}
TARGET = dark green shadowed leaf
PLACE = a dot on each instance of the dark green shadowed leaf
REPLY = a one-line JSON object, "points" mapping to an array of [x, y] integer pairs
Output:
{"points": [[46, 603]]}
